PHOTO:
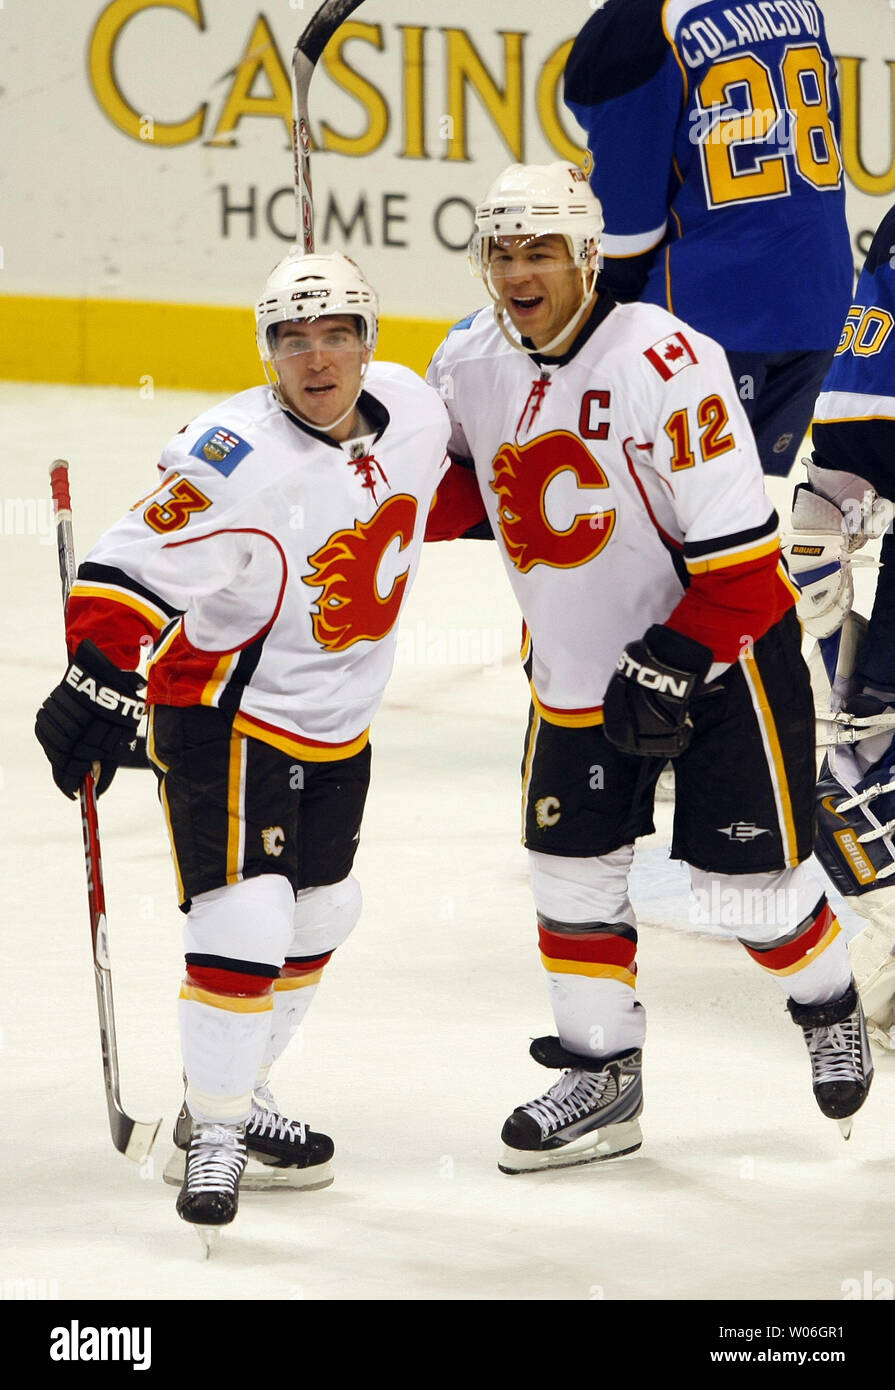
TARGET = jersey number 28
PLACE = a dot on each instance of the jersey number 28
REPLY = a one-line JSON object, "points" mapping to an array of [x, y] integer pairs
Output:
{"points": [[746, 152]]}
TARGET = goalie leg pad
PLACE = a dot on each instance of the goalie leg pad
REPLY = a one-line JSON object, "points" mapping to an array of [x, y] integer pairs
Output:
{"points": [[858, 852], [854, 843], [873, 965]]}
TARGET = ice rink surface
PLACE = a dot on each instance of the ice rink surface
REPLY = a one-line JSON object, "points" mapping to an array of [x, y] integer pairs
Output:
{"points": [[416, 1047]]}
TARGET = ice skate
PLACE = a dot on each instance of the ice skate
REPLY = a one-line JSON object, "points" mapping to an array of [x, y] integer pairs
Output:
{"points": [[281, 1152], [590, 1114], [215, 1160], [841, 1065]]}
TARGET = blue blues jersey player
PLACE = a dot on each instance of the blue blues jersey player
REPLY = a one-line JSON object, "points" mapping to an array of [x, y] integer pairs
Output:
{"points": [[714, 131], [848, 500]]}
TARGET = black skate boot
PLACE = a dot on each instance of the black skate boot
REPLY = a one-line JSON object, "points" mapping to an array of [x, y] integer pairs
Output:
{"points": [[281, 1152], [293, 1155], [591, 1113], [215, 1160], [841, 1065]]}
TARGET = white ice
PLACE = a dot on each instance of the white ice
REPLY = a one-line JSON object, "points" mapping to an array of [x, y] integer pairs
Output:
{"points": [[416, 1048]]}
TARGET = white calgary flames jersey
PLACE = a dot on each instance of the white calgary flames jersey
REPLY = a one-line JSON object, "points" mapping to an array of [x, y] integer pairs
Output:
{"points": [[613, 479], [270, 565]]}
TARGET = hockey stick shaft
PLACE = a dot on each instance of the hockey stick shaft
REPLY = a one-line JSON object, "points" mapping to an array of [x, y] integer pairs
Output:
{"points": [[310, 45], [130, 1137]]}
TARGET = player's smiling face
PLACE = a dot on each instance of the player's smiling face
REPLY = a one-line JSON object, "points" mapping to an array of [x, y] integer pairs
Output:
{"points": [[320, 365], [537, 284]]}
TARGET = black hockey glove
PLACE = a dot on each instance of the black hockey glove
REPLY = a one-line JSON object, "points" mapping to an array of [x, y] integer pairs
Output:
{"points": [[89, 718], [646, 701]]}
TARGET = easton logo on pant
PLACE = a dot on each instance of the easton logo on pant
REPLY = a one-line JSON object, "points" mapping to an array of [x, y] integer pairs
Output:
{"points": [[742, 830]]}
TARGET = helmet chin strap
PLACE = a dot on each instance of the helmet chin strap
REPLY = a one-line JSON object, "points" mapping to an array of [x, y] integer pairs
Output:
{"points": [[573, 322]]}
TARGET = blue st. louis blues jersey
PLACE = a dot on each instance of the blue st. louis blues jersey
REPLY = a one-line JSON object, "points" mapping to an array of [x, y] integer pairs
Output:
{"points": [[854, 418], [714, 131]]}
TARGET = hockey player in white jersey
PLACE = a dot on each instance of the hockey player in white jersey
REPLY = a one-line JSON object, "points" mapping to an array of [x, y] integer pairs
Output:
{"points": [[269, 568], [605, 447]]}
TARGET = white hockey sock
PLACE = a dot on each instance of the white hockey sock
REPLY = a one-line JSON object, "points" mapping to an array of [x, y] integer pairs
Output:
{"points": [[291, 1001], [595, 1018], [223, 1039], [323, 918], [588, 942], [235, 940], [787, 926]]}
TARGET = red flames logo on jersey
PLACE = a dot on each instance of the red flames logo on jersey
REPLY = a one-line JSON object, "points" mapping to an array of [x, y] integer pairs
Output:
{"points": [[350, 609], [522, 475]]}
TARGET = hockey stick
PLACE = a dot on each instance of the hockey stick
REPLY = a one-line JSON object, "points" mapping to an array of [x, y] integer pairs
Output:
{"points": [[133, 1138], [304, 59]]}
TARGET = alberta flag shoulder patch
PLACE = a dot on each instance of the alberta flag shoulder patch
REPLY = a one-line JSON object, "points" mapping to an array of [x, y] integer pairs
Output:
{"points": [[221, 448], [670, 355]]}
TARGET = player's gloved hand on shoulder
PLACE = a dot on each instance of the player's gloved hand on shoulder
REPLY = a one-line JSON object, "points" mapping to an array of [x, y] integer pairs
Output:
{"points": [[645, 709], [88, 718]]}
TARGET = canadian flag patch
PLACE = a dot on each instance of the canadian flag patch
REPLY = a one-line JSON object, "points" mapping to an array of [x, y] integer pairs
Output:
{"points": [[670, 355]]}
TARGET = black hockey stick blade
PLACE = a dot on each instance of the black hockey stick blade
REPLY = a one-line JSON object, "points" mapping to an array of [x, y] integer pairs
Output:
{"points": [[322, 25], [311, 44]]}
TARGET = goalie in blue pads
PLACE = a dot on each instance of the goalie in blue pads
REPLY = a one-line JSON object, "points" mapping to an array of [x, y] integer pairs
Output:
{"points": [[847, 501]]}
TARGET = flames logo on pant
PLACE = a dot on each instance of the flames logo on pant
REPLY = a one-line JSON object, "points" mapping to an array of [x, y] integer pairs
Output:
{"points": [[350, 609], [522, 475]]}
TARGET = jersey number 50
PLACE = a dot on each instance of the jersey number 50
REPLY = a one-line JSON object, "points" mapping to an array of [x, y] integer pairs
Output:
{"points": [[747, 149]]}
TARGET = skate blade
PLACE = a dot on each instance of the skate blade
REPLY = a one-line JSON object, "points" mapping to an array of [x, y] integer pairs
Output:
{"points": [[616, 1141], [261, 1177], [209, 1239]]}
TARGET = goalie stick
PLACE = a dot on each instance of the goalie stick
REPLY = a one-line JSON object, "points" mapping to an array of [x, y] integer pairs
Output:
{"points": [[310, 45], [133, 1138]]}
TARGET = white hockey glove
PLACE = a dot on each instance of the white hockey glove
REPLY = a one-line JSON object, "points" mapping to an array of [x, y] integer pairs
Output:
{"points": [[833, 515]]}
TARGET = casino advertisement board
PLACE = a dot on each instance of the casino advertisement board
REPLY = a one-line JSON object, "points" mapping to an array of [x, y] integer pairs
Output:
{"points": [[150, 164]]}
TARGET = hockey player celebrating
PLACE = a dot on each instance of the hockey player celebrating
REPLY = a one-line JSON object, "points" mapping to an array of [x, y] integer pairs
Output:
{"points": [[847, 501], [605, 445], [269, 568]]}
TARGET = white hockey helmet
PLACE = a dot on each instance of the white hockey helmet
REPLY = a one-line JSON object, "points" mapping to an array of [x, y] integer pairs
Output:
{"points": [[536, 200], [539, 200], [311, 287]]}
